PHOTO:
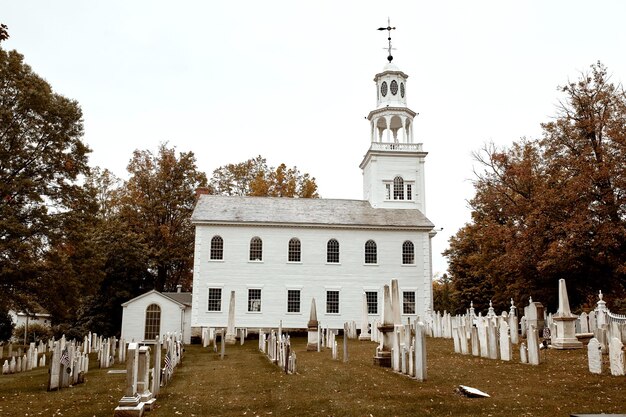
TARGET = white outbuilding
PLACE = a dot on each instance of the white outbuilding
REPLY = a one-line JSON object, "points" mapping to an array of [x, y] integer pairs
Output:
{"points": [[277, 254], [157, 313]]}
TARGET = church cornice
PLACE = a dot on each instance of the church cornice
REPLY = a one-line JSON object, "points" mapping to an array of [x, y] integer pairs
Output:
{"points": [[388, 109], [380, 74], [425, 228]]}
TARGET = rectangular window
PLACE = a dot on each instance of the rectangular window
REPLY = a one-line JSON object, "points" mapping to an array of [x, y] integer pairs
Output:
{"points": [[372, 302], [293, 301], [388, 191], [215, 299], [254, 299], [408, 302], [332, 302], [409, 192]]}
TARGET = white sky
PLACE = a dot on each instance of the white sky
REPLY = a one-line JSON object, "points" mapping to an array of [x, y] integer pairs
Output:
{"points": [[293, 80]]}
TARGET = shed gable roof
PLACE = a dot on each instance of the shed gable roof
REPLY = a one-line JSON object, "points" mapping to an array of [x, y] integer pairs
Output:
{"points": [[167, 297], [304, 212]]}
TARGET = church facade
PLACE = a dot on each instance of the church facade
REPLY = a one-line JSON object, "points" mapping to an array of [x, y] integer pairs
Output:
{"points": [[279, 253]]}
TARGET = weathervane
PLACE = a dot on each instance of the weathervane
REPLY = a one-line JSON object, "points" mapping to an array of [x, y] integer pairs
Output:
{"points": [[389, 29]]}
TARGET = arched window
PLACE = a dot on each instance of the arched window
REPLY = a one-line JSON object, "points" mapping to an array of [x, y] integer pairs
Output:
{"points": [[332, 251], [408, 253], [294, 250], [217, 248], [256, 249], [398, 188], [370, 252], [153, 322]]}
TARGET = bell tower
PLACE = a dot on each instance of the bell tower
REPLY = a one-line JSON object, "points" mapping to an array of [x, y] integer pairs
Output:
{"points": [[393, 167]]}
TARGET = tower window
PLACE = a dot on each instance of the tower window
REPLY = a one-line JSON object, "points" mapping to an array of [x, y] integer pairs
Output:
{"points": [[398, 188], [383, 89], [294, 250], [409, 192], [256, 249], [402, 90], [394, 87], [332, 251], [370, 252], [388, 191], [408, 253], [217, 248]]}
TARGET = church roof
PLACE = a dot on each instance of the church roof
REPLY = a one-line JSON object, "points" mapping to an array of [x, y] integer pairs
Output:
{"points": [[213, 209], [181, 297]]}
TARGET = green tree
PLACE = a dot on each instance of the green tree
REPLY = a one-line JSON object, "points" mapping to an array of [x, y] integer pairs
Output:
{"points": [[156, 204], [41, 158]]}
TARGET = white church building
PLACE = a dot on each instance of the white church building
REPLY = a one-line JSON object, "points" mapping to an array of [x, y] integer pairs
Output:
{"points": [[277, 254]]}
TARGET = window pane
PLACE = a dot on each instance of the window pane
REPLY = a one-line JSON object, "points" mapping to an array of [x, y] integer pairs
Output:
{"points": [[256, 249], [217, 248], [372, 302], [370, 252], [409, 192], [254, 300], [408, 305], [398, 188], [388, 191], [294, 250], [332, 302], [215, 299], [332, 251], [293, 301], [408, 253], [153, 322]]}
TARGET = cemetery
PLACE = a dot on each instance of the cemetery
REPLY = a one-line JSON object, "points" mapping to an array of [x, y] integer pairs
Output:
{"points": [[448, 365]]}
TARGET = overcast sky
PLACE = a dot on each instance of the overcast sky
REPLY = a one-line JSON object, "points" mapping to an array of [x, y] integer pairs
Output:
{"points": [[293, 80]]}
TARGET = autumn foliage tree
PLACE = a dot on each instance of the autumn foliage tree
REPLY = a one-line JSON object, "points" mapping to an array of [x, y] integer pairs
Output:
{"points": [[255, 178], [551, 208], [156, 203]]}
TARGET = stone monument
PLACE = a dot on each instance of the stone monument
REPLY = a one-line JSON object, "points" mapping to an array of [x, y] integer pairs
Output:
{"points": [[565, 323], [313, 329]]}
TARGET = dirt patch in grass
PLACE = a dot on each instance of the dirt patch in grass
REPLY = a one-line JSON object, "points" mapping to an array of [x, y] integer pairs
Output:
{"points": [[245, 383]]}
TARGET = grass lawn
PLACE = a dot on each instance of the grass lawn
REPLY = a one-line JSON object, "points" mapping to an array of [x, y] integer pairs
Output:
{"points": [[245, 383]]}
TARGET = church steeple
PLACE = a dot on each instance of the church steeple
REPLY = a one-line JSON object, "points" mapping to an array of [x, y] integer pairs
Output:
{"points": [[393, 168]]}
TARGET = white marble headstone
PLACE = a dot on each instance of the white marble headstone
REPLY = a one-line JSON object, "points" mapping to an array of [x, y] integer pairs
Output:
{"points": [[594, 356], [616, 356]]}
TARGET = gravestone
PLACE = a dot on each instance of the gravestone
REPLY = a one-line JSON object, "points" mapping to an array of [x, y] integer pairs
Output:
{"points": [[492, 339], [420, 362], [594, 356], [130, 404], [474, 342], [523, 353], [382, 356], [143, 378], [505, 342], [534, 315], [395, 301], [565, 323], [616, 356], [230, 330], [365, 333], [312, 328], [533, 345], [584, 322], [482, 337]]}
